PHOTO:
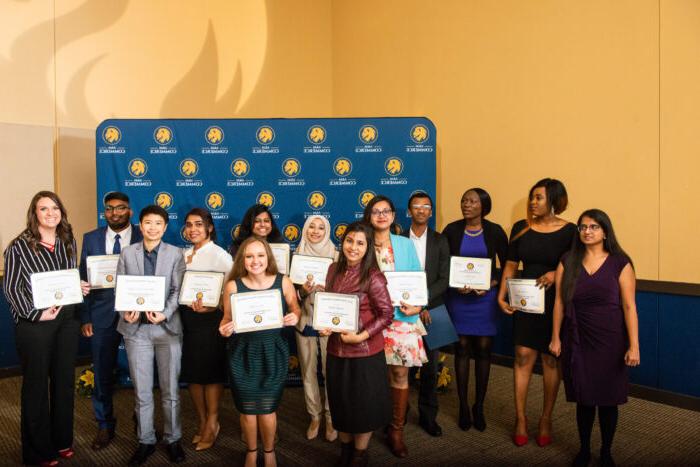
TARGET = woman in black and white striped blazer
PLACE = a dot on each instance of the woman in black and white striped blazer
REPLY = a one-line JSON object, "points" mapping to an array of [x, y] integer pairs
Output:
{"points": [[47, 340]]}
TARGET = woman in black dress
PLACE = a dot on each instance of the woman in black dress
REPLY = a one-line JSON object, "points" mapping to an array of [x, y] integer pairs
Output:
{"points": [[203, 348], [46, 339], [596, 316], [538, 242], [257, 222]]}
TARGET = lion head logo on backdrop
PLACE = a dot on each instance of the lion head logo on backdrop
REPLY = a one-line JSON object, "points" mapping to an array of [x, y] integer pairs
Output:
{"points": [[291, 167], [339, 231], [266, 198], [138, 168], [163, 135], [189, 168], [419, 133], [342, 166], [393, 166], [365, 198], [265, 135], [240, 167], [368, 134], [164, 200], [111, 135], [214, 135], [316, 134], [291, 232], [215, 200], [317, 200]]}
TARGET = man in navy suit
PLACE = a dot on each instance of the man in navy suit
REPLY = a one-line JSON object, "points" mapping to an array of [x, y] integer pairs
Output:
{"points": [[98, 315], [434, 256]]}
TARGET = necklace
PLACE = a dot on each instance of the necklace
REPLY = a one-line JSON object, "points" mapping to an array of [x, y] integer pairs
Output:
{"points": [[474, 234]]}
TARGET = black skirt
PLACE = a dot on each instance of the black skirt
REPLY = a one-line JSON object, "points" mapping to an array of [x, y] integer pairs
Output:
{"points": [[203, 348], [358, 393]]}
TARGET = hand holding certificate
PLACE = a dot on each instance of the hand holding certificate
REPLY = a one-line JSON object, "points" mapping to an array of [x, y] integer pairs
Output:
{"points": [[56, 288], [310, 269], [204, 286], [256, 311], [407, 287], [474, 273], [525, 295], [336, 312], [281, 253], [140, 293], [102, 271]]}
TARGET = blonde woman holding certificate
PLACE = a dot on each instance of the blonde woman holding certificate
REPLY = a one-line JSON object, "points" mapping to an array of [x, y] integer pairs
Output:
{"points": [[203, 348], [315, 241], [258, 360]]}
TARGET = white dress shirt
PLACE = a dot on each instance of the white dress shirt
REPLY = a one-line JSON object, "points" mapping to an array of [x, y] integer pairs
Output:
{"points": [[124, 239], [420, 244], [210, 258]]}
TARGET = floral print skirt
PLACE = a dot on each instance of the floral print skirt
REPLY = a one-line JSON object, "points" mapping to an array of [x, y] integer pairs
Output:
{"points": [[403, 345]]}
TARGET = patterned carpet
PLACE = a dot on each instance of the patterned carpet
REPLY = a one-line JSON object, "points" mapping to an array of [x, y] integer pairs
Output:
{"points": [[648, 433]]}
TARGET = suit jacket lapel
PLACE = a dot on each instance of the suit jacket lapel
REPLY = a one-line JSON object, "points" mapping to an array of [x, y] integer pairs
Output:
{"points": [[138, 251], [160, 263], [101, 248]]}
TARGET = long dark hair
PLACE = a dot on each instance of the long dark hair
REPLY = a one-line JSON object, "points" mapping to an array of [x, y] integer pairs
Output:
{"points": [[64, 231], [248, 221], [369, 261], [207, 219], [574, 259], [394, 228]]}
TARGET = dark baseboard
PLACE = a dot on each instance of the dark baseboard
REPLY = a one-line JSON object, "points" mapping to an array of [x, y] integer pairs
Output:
{"points": [[681, 401]]}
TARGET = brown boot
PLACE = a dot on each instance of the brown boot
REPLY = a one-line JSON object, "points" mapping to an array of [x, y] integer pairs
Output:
{"points": [[359, 458], [400, 401]]}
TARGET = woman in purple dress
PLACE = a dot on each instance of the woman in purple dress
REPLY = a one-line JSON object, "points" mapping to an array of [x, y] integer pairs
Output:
{"points": [[595, 329], [475, 312]]}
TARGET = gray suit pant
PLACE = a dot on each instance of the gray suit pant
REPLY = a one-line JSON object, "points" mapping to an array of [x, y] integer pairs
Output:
{"points": [[152, 340]]}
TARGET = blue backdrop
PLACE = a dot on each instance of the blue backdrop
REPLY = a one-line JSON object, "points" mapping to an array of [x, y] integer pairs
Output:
{"points": [[297, 167]]}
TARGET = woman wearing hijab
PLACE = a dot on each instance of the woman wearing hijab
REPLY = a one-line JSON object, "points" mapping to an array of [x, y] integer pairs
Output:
{"points": [[315, 241]]}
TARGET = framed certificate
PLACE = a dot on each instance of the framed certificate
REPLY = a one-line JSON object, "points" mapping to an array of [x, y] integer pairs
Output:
{"points": [[337, 312], [256, 311], [309, 268], [201, 285], [57, 288], [281, 253], [409, 287], [474, 273], [526, 295], [102, 271], [139, 293]]}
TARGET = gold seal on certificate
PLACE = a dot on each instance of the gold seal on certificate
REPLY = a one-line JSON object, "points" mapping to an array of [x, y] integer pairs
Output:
{"points": [[335, 311], [309, 269], [474, 273], [139, 293], [526, 295], [256, 311], [281, 253], [101, 271], [408, 287], [56, 288], [201, 285]]}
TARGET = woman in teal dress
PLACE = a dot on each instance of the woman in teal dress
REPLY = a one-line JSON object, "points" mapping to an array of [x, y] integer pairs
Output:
{"points": [[258, 360]]}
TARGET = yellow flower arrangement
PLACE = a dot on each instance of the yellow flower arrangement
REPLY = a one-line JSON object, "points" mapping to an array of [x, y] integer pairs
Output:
{"points": [[85, 384]]}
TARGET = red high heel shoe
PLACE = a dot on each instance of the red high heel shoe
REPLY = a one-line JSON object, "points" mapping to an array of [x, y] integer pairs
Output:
{"points": [[544, 440], [66, 453], [521, 440], [51, 463]]}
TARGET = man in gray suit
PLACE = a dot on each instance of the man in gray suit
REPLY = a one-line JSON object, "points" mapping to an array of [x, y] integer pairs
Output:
{"points": [[154, 333]]}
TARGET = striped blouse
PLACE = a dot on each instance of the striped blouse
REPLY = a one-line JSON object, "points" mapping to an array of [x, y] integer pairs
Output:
{"points": [[20, 262]]}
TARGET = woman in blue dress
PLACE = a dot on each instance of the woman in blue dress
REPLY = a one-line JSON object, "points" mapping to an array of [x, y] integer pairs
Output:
{"points": [[475, 312]]}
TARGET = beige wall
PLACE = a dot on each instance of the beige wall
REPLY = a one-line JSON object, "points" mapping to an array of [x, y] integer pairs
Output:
{"points": [[600, 94]]}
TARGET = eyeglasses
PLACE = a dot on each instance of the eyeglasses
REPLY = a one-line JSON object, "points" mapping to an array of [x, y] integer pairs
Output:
{"points": [[592, 227], [118, 209], [383, 212], [421, 206]]}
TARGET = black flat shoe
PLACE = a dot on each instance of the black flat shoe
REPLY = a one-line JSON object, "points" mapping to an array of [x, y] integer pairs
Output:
{"points": [[142, 454], [433, 429], [582, 459], [175, 452], [465, 420], [479, 420]]}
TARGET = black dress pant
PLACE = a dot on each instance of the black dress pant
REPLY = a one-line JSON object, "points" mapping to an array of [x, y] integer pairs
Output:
{"points": [[427, 395], [47, 351]]}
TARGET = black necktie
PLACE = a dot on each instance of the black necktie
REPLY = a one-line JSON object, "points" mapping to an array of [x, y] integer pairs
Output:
{"points": [[117, 246]]}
